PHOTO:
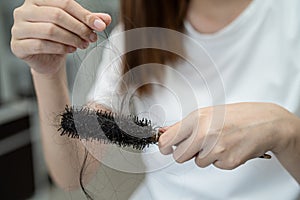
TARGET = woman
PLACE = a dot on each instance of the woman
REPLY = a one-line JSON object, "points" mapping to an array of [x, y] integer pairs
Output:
{"points": [[246, 44]]}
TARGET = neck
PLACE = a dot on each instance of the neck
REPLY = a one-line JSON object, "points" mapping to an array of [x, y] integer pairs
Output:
{"points": [[209, 16]]}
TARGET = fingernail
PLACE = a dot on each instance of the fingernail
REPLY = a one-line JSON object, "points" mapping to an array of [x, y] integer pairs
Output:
{"points": [[85, 45], [107, 15], [162, 130], [71, 49], [100, 25], [93, 37]]}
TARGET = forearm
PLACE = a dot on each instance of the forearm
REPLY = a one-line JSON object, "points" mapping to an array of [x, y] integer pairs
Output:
{"points": [[63, 155], [289, 152]]}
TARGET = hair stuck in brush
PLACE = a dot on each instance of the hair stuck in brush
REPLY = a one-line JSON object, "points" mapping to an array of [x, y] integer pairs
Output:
{"points": [[107, 127]]}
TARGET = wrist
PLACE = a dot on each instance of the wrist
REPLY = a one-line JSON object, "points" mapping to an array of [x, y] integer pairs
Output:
{"points": [[289, 133], [60, 73]]}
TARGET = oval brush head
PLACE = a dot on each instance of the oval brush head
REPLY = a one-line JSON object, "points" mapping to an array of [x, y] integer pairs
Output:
{"points": [[84, 123]]}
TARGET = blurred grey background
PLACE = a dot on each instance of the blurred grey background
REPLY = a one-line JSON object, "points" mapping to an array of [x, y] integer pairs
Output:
{"points": [[23, 174]]}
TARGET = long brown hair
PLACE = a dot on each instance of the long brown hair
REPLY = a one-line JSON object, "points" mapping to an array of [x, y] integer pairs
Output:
{"points": [[168, 14]]}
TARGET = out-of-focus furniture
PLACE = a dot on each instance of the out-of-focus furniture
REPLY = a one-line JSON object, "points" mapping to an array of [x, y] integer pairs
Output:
{"points": [[16, 159]]}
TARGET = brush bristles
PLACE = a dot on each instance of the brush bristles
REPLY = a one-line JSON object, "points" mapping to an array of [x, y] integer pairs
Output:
{"points": [[84, 123]]}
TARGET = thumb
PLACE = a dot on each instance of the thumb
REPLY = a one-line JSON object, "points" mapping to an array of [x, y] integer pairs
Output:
{"points": [[105, 17]]}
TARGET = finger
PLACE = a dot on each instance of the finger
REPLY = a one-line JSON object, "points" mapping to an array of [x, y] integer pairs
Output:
{"points": [[186, 150], [230, 161], [165, 140], [222, 156], [219, 164], [163, 129], [77, 11], [224, 165], [198, 143], [62, 19], [105, 17], [175, 134], [166, 150], [48, 31], [204, 162], [29, 47]]}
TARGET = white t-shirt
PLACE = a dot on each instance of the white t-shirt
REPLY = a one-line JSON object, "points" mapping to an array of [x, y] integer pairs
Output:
{"points": [[256, 60]]}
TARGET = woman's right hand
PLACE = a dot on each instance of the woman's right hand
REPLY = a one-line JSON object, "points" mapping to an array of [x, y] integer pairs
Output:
{"points": [[45, 31]]}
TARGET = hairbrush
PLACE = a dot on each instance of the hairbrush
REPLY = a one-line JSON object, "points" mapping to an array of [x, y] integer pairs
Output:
{"points": [[108, 127], [85, 123]]}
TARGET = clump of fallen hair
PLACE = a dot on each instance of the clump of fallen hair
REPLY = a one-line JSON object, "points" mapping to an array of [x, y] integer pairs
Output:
{"points": [[88, 124]]}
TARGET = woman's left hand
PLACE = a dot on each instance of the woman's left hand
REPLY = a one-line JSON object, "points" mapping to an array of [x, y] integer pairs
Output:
{"points": [[228, 136]]}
